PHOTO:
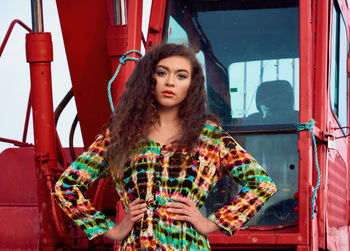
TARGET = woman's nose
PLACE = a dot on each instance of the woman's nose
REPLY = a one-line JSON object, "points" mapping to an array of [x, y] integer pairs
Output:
{"points": [[170, 80]]}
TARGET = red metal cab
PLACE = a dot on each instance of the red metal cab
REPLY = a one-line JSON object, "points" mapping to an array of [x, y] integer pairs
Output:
{"points": [[270, 65]]}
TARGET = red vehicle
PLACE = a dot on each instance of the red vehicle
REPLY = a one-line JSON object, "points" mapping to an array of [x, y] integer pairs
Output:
{"points": [[270, 66]]}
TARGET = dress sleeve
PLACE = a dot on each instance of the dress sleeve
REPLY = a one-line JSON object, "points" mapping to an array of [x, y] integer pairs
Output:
{"points": [[257, 186], [75, 180]]}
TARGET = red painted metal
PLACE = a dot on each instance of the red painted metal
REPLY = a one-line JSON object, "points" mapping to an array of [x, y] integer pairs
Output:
{"points": [[24, 234], [2, 47], [321, 28], [19, 207], [12, 161], [60, 151], [26, 123], [94, 46], [39, 56], [121, 39], [337, 175], [15, 142], [156, 21], [8, 33], [84, 27], [305, 140], [299, 235], [18, 200]]}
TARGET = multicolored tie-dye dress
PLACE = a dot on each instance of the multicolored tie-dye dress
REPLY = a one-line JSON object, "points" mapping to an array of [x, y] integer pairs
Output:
{"points": [[155, 174]]}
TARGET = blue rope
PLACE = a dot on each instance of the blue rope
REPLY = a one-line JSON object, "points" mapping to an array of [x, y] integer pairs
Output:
{"points": [[122, 61], [308, 126]]}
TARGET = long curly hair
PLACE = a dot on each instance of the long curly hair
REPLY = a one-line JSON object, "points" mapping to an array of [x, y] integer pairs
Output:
{"points": [[137, 109]]}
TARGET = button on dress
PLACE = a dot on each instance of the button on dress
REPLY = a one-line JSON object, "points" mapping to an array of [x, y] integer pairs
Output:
{"points": [[156, 174]]}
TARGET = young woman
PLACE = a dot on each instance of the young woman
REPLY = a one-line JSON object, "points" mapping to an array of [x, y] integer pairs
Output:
{"points": [[165, 155]]}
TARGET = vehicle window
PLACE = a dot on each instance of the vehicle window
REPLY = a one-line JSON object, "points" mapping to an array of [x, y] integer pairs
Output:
{"points": [[249, 51], [338, 77], [265, 92]]}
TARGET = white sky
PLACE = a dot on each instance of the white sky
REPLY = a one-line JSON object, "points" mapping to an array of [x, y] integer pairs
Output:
{"points": [[14, 71]]}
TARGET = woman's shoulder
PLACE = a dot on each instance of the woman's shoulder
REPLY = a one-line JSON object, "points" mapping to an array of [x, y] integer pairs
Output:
{"points": [[211, 130], [103, 137]]}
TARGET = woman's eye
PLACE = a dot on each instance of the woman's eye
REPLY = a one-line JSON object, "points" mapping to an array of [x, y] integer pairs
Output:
{"points": [[182, 76], [161, 73]]}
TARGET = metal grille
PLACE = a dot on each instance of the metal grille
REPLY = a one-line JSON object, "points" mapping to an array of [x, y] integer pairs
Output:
{"points": [[337, 192]]}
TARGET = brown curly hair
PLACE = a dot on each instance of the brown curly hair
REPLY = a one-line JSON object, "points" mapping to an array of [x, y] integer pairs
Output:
{"points": [[137, 109]]}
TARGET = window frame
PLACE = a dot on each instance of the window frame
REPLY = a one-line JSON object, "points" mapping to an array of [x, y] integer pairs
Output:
{"points": [[340, 19]]}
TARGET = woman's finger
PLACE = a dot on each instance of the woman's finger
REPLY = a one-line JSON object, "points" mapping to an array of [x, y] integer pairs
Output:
{"points": [[178, 211], [184, 200], [176, 205], [137, 217], [137, 212], [138, 206], [182, 218], [134, 202]]}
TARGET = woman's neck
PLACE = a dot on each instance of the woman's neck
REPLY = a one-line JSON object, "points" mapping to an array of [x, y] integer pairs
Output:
{"points": [[168, 116], [168, 128]]}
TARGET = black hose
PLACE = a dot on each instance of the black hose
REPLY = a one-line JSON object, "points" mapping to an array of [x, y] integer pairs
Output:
{"points": [[71, 138]]}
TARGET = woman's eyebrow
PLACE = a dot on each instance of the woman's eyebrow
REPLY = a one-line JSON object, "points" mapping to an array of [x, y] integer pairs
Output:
{"points": [[167, 68]]}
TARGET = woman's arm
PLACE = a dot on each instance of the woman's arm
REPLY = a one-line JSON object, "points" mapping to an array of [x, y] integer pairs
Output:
{"points": [[257, 186], [73, 183], [135, 212], [187, 210]]}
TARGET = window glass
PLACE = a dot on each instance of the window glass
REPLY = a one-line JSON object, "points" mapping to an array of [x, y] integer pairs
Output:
{"points": [[249, 51], [335, 60], [258, 52], [343, 75], [265, 92], [280, 208], [252, 74], [338, 76]]}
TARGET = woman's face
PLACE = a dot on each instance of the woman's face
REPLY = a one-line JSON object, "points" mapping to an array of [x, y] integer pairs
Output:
{"points": [[173, 79]]}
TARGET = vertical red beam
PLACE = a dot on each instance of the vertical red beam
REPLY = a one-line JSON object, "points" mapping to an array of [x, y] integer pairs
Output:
{"points": [[134, 27], [39, 56], [321, 104], [121, 39], [156, 23], [305, 140], [84, 29]]}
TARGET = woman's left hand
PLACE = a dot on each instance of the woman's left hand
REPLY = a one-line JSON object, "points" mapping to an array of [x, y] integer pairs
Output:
{"points": [[186, 210]]}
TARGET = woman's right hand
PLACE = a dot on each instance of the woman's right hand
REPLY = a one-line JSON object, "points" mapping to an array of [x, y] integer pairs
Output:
{"points": [[135, 212]]}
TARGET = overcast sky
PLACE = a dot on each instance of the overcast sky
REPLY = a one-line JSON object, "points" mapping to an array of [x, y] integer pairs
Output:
{"points": [[14, 71]]}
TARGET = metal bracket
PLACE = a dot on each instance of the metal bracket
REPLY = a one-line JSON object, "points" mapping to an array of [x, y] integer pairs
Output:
{"points": [[42, 157]]}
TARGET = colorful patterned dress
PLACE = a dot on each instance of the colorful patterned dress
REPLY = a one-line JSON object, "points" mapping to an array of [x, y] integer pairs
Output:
{"points": [[155, 174]]}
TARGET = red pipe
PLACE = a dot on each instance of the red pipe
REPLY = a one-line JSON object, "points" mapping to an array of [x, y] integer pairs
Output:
{"points": [[8, 33], [39, 56], [26, 123], [15, 142], [121, 39]]}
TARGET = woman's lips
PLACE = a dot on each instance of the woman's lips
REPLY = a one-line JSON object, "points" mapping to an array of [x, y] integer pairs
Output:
{"points": [[168, 93]]}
